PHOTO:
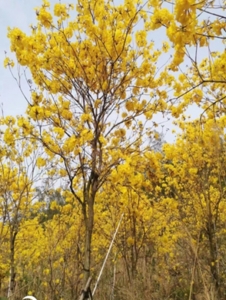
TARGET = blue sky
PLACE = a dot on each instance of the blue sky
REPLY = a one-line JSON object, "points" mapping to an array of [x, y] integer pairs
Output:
{"points": [[21, 14], [13, 13]]}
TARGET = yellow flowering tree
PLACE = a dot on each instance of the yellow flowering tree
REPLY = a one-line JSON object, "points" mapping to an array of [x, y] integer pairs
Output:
{"points": [[18, 176], [195, 178], [197, 32], [91, 81], [57, 273]]}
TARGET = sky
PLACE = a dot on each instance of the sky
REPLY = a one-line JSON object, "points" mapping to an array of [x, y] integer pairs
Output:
{"points": [[21, 14], [13, 13]]}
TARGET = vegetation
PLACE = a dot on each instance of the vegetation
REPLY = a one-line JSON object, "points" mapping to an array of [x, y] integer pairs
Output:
{"points": [[87, 152]]}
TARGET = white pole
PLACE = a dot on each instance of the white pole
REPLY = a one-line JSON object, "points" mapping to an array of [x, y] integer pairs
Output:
{"points": [[106, 257]]}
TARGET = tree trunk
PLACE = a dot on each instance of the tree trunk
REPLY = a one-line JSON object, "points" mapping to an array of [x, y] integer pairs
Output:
{"points": [[90, 191], [88, 218], [12, 283], [213, 257]]}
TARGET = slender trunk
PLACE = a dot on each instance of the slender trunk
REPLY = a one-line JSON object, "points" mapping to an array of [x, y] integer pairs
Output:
{"points": [[89, 200], [213, 256], [88, 240], [210, 228], [134, 248], [12, 282], [213, 252]]}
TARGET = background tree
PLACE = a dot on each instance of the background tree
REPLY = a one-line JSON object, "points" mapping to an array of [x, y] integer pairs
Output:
{"points": [[18, 177], [197, 33], [195, 177]]}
